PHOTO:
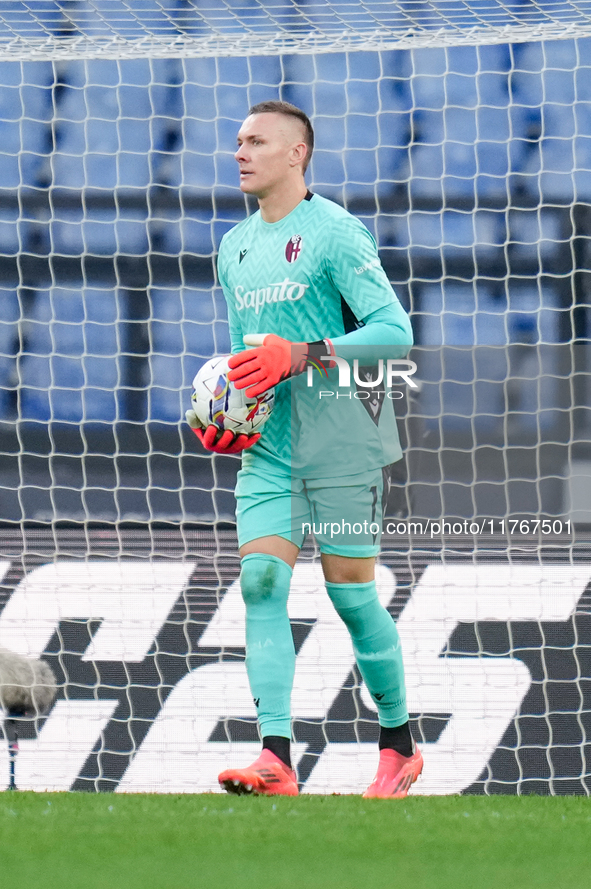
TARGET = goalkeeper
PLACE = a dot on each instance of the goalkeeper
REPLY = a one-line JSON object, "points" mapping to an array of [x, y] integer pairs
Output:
{"points": [[303, 283]]}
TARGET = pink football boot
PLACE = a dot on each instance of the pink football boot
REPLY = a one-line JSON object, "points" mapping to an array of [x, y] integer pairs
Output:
{"points": [[267, 776], [395, 775]]}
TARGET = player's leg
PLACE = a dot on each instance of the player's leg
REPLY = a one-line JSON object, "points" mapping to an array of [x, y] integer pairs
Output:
{"points": [[348, 562], [375, 642], [267, 566], [379, 657], [265, 504]]}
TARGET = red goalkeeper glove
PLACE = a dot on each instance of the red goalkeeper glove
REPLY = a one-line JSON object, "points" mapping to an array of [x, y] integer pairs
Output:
{"points": [[273, 361], [227, 443]]}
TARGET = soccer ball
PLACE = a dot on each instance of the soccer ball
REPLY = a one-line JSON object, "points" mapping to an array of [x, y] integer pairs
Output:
{"points": [[217, 401]]}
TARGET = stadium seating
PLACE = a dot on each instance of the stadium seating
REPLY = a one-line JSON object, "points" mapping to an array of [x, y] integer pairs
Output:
{"points": [[486, 367], [452, 123], [187, 327], [70, 366], [8, 347], [113, 123], [25, 115], [9, 232]]}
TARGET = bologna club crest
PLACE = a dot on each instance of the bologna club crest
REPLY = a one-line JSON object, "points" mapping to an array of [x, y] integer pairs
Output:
{"points": [[293, 248]]}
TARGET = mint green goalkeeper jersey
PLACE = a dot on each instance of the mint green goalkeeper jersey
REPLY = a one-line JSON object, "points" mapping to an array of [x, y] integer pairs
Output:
{"points": [[314, 274]]}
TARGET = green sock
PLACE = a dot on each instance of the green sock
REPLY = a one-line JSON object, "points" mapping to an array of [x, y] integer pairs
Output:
{"points": [[376, 645], [270, 652]]}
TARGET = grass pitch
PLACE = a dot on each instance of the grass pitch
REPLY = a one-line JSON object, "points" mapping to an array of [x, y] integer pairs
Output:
{"points": [[112, 841]]}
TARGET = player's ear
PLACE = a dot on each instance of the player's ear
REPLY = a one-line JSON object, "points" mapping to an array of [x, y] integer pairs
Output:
{"points": [[298, 153]]}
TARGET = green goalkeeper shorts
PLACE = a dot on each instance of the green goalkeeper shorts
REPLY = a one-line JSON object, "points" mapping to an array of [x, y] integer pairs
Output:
{"points": [[344, 514]]}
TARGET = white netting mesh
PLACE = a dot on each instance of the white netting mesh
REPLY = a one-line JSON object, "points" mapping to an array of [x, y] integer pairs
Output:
{"points": [[169, 28], [472, 167]]}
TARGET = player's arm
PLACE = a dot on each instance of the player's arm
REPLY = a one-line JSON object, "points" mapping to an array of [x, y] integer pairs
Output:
{"points": [[353, 265], [276, 359], [210, 437], [388, 326]]}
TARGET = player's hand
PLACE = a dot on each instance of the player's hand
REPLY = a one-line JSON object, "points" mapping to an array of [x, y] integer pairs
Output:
{"points": [[193, 420], [274, 360], [227, 443]]}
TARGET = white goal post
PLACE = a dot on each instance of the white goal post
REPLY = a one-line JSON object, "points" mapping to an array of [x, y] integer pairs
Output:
{"points": [[460, 133]]}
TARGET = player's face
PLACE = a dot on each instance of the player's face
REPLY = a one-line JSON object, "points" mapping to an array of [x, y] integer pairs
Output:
{"points": [[269, 147]]}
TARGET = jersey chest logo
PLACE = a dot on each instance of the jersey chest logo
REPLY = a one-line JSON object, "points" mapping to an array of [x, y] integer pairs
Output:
{"points": [[293, 248]]}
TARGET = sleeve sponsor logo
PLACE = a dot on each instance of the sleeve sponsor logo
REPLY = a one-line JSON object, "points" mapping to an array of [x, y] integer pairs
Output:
{"points": [[359, 270], [273, 293]]}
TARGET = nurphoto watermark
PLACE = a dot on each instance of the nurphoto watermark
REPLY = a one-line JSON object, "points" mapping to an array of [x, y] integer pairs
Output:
{"points": [[338, 529], [433, 528], [397, 370]]}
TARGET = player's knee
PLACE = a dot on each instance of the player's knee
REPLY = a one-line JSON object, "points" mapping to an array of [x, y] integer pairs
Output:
{"points": [[359, 608], [371, 626], [355, 619], [256, 583], [264, 578]]}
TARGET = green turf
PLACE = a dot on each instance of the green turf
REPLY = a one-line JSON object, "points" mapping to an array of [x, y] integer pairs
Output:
{"points": [[111, 841]]}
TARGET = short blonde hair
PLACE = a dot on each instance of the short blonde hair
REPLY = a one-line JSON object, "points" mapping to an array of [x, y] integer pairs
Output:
{"points": [[289, 110]]}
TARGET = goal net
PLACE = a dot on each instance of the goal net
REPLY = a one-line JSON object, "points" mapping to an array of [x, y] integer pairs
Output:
{"points": [[461, 135]]}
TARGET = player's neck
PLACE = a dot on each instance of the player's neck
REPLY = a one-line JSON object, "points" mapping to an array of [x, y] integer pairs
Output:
{"points": [[281, 201]]}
